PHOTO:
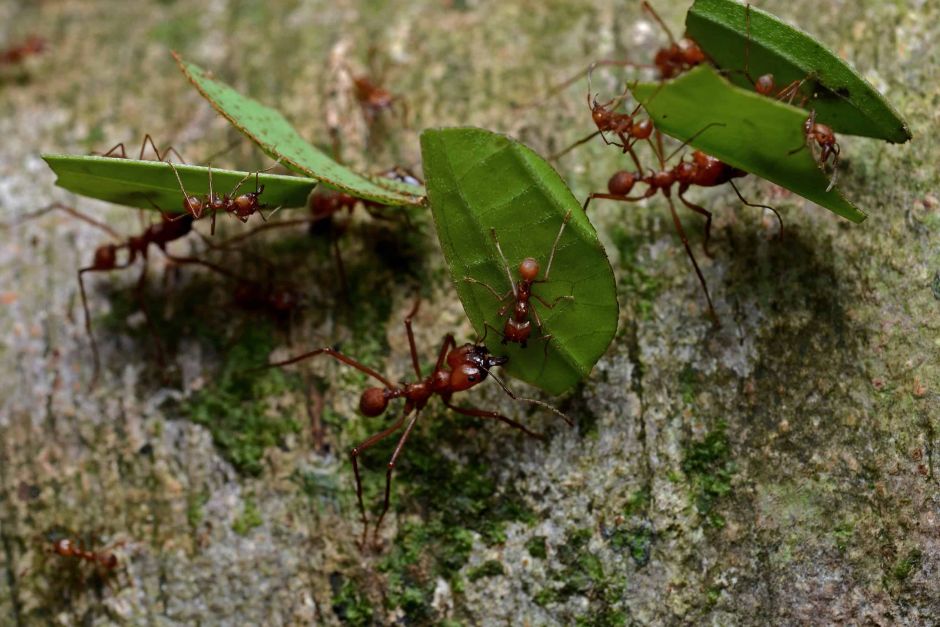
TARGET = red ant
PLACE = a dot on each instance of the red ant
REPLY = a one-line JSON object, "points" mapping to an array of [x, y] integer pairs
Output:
{"points": [[67, 547], [242, 206], [702, 171], [106, 260], [458, 368], [814, 131], [374, 99], [17, 53], [518, 327]]}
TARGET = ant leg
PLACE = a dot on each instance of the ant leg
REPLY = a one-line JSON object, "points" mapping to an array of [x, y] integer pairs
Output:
{"points": [[388, 476], [142, 303], [617, 197], [202, 262], [72, 212], [446, 346], [561, 153], [335, 354], [552, 304], [688, 250], [649, 9], [341, 271], [411, 338], [143, 148], [496, 295], [505, 263], [568, 82], [835, 165], [252, 232], [689, 140], [758, 206], [123, 154], [708, 222], [354, 456], [188, 200], [551, 256], [91, 336], [482, 413]]}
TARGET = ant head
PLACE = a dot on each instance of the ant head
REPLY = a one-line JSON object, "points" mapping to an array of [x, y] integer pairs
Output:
{"points": [[764, 85], [529, 269], [193, 205], [470, 365], [373, 402], [689, 52], [621, 183], [685, 172], [245, 204]]}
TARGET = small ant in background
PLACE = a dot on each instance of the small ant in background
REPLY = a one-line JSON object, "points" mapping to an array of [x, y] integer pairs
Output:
{"points": [[518, 326], [104, 559], [458, 368], [702, 171], [17, 53]]}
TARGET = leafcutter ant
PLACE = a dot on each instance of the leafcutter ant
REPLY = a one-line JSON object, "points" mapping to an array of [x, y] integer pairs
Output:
{"points": [[518, 326], [17, 53], [242, 206], [702, 171], [458, 368]]}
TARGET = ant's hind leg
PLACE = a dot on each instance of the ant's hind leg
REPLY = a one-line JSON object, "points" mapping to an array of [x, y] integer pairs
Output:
{"points": [[354, 457], [388, 476], [481, 413], [708, 223]]}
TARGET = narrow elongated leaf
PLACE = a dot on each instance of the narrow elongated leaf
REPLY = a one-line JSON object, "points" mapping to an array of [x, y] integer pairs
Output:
{"points": [[152, 184], [746, 130], [478, 181], [276, 137], [841, 98]]}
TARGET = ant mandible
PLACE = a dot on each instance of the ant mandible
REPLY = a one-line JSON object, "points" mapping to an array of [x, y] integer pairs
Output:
{"points": [[458, 368], [703, 171], [518, 326]]}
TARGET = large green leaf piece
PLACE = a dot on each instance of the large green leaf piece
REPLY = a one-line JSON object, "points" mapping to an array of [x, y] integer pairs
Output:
{"points": [[152, 184], [276, 137], [841, 98], [745, 130], [478, 181]]}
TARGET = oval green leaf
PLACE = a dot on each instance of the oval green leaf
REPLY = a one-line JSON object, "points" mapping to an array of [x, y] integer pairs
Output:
{"points": [[478, 181], [842, 99], [152, 184], [277, 138], [748, 131]]}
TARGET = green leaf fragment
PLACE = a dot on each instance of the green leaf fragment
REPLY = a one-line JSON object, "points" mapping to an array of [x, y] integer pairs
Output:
{"points": [[840, 96], [277, 138], [153, 185], [478, 181], [748, 131]]}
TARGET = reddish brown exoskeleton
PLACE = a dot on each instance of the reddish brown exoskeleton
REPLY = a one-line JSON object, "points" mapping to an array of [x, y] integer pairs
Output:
{"points": [[457, 369], [520, 312], [17, 53], [702, 171]]}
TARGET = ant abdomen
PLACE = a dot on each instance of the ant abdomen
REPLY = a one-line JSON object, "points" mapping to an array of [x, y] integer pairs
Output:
{"points": [[373, 402], [621, 183]]}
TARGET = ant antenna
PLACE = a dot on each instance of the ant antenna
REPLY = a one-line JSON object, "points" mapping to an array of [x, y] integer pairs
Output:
{"points": [[551, 257], [691, 139], [534, 401], [515, 293]]}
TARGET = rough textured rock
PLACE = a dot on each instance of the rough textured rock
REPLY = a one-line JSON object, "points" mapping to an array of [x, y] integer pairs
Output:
{"points": [[782, 469]]}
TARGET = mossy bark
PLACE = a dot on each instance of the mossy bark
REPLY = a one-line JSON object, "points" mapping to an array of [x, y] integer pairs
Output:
{"points": [[780, 469]]}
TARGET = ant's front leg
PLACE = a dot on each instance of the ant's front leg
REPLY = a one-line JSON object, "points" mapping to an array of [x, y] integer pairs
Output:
{"points": [[481, 413], [496, 295]]}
